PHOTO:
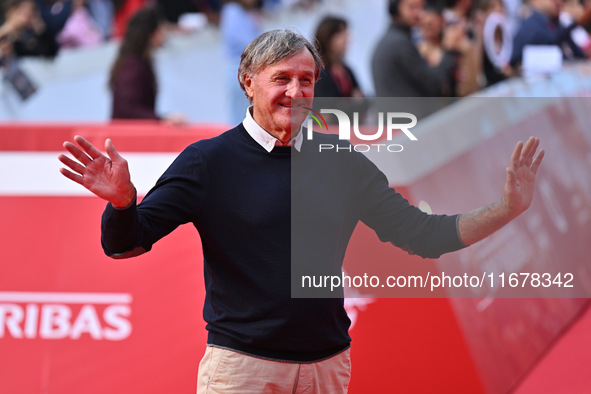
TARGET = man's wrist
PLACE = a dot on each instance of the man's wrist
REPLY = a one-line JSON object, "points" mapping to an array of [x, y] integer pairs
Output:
{"points": [[128, 198], [505, 212]]}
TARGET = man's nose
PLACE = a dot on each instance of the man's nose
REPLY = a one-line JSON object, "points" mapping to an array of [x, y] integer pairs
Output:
{"points": [[294, 89]]}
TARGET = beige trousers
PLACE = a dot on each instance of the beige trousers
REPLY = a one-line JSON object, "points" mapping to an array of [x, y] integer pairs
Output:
{"points": [[226, 371]]}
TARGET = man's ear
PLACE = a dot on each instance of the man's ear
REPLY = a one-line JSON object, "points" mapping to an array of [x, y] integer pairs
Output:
{"points": [[248, 82]]}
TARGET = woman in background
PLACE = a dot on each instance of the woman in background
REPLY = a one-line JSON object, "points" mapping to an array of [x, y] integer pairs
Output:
{"points": [[431, 47], [132, 79], [336, 79]]}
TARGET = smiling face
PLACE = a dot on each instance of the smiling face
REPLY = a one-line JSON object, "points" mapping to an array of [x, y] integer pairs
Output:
{"points": [[273, 88]]}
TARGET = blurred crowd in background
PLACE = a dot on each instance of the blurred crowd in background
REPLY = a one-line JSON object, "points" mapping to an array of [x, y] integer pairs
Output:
{"points": [[432, 47], [43, 27]]}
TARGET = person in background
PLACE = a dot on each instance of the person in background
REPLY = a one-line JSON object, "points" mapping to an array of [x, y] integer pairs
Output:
{"points": [[132, 79], [103, 12], [54, 14], [457, 12], [336, 79], [124, 10], [71, 23], [430, 46], [240, 23], [397, 67], [173, 9], [80, 29], [579, 35], [24, 33], [543, 27]]}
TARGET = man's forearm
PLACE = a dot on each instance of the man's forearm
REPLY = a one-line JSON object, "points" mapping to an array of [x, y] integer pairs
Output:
{"points": [[480, 223]]}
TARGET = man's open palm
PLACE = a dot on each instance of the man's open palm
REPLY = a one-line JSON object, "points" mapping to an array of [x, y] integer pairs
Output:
{"points": [[106, 177], [521, 175]]}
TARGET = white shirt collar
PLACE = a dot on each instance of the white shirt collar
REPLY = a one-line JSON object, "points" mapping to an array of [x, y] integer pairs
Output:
{"points": [[266, 140]]}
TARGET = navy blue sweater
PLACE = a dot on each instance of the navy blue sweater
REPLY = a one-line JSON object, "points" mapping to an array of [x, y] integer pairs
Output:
{"points": [[256, 213]]}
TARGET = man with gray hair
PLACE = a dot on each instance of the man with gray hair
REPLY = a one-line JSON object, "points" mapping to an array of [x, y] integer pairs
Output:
{"points": [[237, 189]]}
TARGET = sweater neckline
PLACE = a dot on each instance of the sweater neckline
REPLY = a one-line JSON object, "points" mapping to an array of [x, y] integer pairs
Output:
{"points": [[276, 151]]}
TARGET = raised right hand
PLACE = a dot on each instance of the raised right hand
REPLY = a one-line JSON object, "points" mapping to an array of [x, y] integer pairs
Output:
{"points": [[106, 177]]}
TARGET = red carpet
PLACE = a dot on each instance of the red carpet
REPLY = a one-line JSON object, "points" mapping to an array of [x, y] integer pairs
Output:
{"points": [[565, 368]]}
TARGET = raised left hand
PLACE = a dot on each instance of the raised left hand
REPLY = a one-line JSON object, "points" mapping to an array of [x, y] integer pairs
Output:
{"points": [[521, 176]]}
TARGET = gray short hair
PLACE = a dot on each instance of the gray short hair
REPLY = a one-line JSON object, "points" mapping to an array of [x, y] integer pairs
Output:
{"points": [[271, 47]]}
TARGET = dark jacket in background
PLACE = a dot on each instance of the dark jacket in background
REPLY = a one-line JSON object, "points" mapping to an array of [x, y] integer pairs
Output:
{"points": [[328, 86], [539, 29], [54, 14], [400, 71]]}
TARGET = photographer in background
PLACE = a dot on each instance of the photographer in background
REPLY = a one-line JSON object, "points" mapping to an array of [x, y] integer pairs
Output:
{"points": [[542, 27]]}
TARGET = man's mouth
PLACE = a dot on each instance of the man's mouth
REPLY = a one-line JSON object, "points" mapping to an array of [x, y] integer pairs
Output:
{"points": [[289, 105]]}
